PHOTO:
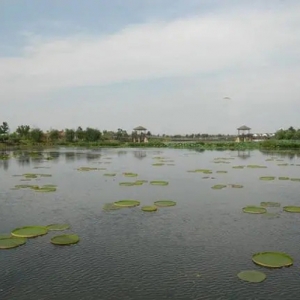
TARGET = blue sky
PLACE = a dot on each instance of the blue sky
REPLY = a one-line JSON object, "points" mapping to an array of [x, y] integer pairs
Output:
{"points": [[165, 65]]}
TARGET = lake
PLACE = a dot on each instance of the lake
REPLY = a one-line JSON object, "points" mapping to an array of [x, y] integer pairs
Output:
{"points": [[193, 250]]}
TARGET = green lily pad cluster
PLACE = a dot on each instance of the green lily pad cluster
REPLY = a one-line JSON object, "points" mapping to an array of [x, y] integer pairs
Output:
{"points": [[19, 236], [204, 171], [128, 174], [86, 169], [256, 167], [133, 183], [47, 188]]}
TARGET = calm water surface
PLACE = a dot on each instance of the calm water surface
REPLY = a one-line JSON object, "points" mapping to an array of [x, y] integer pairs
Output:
{"points": [[191, 251]]}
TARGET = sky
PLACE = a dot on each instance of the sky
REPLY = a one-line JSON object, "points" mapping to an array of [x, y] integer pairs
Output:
{"points": [[172, 66]]}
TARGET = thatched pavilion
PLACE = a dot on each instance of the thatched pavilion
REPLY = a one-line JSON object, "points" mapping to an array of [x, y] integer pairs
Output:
{"points": [[244, 134], [139, 135]]}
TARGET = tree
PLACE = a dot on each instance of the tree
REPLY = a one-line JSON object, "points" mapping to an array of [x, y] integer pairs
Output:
{"points": [[54, 135], [36, 135], [4, 130], [92, 135], [23, 131], [70, 135], [80, 134]]}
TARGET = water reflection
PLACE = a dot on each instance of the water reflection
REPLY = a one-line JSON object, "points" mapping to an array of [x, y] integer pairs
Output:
{"points": [[244, 154], [140, 154]]}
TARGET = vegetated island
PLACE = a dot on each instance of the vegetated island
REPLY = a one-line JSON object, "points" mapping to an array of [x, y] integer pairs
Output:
{"points": [[25, 137]]}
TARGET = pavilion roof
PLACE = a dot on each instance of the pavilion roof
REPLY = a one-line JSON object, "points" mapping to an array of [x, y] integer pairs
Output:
{"points": [[244, 127], [139, 128]]}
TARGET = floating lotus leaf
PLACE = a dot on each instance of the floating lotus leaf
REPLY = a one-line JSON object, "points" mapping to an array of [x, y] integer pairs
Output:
{"points": [[158, 182], [283, 178], [49, 186], [110, 174], [252, 276], [58, 226], [5, 236], [127, 183], [254, 210], [292, 209], [141, 181], [45, 175], [270, 204], [295, 179], [66, 239], [29, 231], [45, 189], [127, 203], [158, 164], [272, 259], [30, 175], [236, 186], [238, 167], [25, 179], [85, 169], [149, 208], [130, 174], [267, 178], [221, 172], [164, 203], [218, 187], [256, 167], [205, 177], [271, 215], [11, 242], [283, 165], [110, 207], [138, 183], [205, 171]]}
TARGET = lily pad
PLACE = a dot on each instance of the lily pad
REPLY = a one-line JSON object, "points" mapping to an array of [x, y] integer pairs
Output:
{"points": [[158, 164], [252, 276], [221, 172], [218, 187], [127, 203], [272, 259], [110, 174], [164, 203], [58, 226], [45, 189], [270, 204], [110, 207], [130, 174], [149, 208], [11, 242], [267, 178], [30, 231], [295, 179], [158, 182], [85, 169], [254, 210], [126, 183], [66, 239], [292, 209], [256, 167], [282, 165], [236, 186], [283, 178], [238, 167]]}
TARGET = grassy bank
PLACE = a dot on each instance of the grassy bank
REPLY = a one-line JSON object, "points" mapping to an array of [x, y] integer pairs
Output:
{"points": [[202, 145]]}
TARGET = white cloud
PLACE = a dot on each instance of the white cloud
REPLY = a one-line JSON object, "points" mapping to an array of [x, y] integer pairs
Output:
{"points": [[247, 55]]}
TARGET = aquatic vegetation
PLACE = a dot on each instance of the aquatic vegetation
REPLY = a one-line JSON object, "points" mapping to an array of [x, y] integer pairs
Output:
{"points": [[127, 174], [284, 178], [126, 183], [29, 231], [295, 179], [30, 176], [86, 169], [283, 165], [238, 167], [158, 164], [11, 242], [164, 203], [45, 189], [267, 178], [218, 186], [271, 215], [58, 227], [141, 181], [127, 203], [221, 172], [110, 207], [149, 208], [270, 204], [110, 174], [292, 209], [65, 239], [252, 276], [236, 186], [205, 171], [254, 210], [159, 182], [33, 176], [272, 259], [256, 167]]}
